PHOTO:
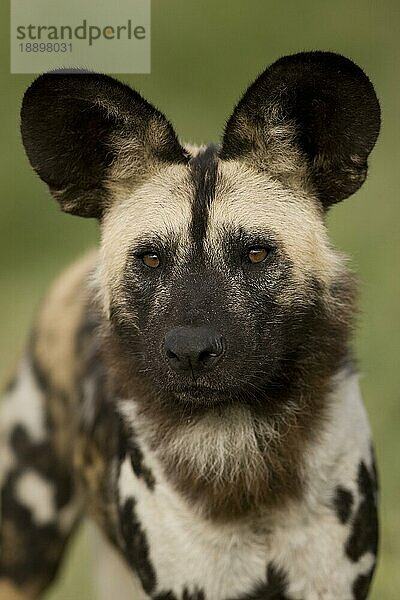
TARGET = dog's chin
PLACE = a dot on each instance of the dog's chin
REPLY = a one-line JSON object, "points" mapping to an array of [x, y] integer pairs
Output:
{"points": [[205, 397]]}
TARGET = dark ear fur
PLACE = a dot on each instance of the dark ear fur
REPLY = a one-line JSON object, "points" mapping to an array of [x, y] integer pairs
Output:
{"points": [[314, 113], [81, 130]]}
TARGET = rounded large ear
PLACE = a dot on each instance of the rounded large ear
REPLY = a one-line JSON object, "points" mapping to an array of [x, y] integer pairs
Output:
{"points": [[314, 114], [82, 131]]}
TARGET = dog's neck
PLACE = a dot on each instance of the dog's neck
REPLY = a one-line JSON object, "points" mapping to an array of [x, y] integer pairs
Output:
{"points": [[233, 458]]}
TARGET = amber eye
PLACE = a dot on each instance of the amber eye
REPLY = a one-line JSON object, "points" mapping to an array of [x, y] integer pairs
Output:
{"points": [[257, 255], [151, 260]]}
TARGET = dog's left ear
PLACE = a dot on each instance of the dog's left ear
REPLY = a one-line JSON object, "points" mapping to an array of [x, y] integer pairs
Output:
{"points": [[314, 115]]}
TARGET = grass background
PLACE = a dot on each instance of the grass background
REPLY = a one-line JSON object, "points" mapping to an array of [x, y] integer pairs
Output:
{"points": [[203, 56]]}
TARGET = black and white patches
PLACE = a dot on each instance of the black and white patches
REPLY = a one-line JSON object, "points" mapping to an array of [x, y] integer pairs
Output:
{"points": [[39, 505], [136, 546], [40, 482], [33, 458], [19, 534], [37, 495], [186, 595], [138, 465], [363, 537], [38, 510], [23, 404], [362, 584], [130, 450], [274, 588], [133, 469], [23, 426], [359, 514]]}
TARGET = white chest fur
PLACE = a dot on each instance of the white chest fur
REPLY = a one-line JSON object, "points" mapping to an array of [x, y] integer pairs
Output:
{"points": [[226, 561]]}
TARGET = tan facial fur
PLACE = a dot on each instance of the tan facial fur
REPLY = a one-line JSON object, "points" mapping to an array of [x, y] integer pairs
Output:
{"points": [[244, 197], [159, 207], [255, 202]]}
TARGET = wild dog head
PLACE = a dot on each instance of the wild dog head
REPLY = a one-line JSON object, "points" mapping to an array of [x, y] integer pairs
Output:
{"points": [[216, 275]]}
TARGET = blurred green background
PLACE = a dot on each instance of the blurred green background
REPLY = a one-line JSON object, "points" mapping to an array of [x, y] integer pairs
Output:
{"points": [[203, 56]]}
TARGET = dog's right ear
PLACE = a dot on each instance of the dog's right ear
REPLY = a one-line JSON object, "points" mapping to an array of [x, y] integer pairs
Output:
{"points": [[82, 131]]}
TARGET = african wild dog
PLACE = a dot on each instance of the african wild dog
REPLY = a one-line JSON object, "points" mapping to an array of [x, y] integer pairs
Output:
{"points": [[190, 386]]}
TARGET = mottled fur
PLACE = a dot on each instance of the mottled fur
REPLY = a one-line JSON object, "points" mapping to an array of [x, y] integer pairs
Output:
{"points": [[251, 477]]}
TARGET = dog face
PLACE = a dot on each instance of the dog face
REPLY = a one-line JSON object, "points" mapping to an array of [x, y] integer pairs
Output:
{"points": [[215, 272]]}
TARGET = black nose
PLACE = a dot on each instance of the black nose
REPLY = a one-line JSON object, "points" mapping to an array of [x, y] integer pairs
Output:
{"points": [[193, 349]]}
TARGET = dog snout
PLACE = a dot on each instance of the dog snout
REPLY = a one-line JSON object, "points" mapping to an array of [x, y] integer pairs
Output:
{"points": [[193, 350]]}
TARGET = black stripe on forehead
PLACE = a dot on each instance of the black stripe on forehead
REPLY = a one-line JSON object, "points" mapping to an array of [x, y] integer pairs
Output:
{"points": [[203, 169]]}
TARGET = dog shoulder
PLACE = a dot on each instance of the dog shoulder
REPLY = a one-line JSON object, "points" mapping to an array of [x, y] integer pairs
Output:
{"points": [[58, 321]]}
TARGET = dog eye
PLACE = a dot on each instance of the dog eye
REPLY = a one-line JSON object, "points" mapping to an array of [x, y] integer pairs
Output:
{"points": [[257, 255], [151, 260]]}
